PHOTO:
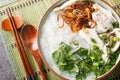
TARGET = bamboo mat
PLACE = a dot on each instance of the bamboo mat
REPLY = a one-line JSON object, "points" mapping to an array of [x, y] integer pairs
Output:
{"points": [[32, 11]]}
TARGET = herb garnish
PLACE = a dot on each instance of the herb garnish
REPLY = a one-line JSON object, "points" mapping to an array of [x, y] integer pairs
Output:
{"points": [[116, 25], [93, 40], [82, 61]]}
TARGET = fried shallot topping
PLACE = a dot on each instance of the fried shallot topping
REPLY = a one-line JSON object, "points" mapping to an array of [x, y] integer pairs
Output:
{"points": [[78, 16]]}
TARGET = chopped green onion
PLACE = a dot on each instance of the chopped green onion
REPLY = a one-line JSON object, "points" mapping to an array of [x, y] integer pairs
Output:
{"points": [[109, 51], [91, 60], [114, 39], [95, 47], [75, 42], [93, 40], [96, 64], [109, 30], [116, 25], [104, 38], [118, 39]]}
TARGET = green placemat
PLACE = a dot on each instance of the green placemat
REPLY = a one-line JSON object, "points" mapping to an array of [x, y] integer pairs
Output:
{"points": [[32, 11]]}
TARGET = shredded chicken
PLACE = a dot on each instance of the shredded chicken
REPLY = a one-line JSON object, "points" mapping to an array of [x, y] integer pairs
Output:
{"points": [[103, 18]]}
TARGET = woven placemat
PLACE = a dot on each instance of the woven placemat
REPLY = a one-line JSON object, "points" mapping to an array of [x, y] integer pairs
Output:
{"points": [[32, 11]]}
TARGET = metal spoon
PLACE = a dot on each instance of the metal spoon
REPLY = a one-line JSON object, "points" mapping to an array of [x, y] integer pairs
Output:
{"points": [[29, 36]]}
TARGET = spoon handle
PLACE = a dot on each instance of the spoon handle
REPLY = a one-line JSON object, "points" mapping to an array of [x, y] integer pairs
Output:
{"points": [[37, 57]]}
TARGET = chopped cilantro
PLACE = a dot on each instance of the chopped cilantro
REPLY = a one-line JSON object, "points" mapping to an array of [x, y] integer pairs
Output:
{"points": [[82, 52], [91, 61]]}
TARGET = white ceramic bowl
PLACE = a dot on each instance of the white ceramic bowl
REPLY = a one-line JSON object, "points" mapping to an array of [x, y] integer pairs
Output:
{"points": [[48, 58]]}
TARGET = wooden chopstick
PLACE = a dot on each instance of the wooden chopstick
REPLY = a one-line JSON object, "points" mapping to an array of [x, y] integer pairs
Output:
{"points": [[24, 58]]}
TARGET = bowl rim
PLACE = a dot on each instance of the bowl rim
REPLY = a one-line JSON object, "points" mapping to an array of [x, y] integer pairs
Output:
{"points": [[47, 65]]}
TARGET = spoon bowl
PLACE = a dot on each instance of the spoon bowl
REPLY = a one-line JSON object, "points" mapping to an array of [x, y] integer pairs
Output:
{"points": [[29, 36]]}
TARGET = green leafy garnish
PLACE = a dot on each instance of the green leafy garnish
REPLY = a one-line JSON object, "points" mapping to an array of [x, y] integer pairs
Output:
{"points": [[118, 39], [95, 47], [82, 61], [82, 52], [109, 30], [64, 59], [75, 42], [104, 38], [93, 40], [116, 25], [114, 39]]}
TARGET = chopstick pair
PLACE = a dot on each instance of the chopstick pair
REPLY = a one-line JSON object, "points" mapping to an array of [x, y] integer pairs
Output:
{"points": [[24, 58]]}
